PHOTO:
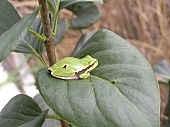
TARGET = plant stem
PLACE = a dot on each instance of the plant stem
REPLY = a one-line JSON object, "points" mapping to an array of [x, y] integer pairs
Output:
{"points": [[164, 83], [54, 117], [49, 43]]}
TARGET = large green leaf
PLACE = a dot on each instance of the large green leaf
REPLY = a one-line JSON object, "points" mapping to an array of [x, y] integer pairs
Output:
{"points": [[66, 3], [11, 38], [22, 111], [86, 13], [122, 91], [8, 15]]}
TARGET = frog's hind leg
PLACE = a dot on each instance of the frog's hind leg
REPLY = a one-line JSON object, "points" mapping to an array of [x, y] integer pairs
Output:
{"points": [[62, 72]]}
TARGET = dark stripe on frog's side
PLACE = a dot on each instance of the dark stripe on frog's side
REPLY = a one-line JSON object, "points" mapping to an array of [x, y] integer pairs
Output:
{"points": [[84, 70]]}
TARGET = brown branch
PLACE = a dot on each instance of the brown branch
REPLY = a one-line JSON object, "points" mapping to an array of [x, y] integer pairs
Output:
{"points": [[49, 43]]}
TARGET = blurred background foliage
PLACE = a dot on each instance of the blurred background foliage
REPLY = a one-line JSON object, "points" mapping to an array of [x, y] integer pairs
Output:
{"points": [[144, 23]]}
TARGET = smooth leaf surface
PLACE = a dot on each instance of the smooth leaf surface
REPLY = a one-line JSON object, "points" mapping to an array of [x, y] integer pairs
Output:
{"points": [[31, 40], [22, 111], [38, 121], [121, 92], [86, 13], [66, 3], [11, 38], [123, 64], [9, 16]]}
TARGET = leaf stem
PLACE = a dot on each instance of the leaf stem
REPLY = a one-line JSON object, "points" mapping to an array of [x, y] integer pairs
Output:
{"points": [[53, 117], [54, 28], [38, 55], [40, 37], [55, 23]]}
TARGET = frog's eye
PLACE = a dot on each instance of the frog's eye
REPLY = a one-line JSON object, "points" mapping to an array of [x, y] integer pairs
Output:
{"points": [[65, 66]]}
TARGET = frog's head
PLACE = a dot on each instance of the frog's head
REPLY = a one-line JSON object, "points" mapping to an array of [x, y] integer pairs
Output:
{"points": [[92, 62]]}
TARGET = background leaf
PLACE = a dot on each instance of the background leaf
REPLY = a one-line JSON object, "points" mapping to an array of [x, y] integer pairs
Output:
{"points": [[82, 41], [43, 106], [61, 30], [66, 3], [34, 42], [86, 13], [9, 16], [162, 69], [120, 91], [22, 111], [11, 38], [52, 5], [40, 101], [168, 123]]}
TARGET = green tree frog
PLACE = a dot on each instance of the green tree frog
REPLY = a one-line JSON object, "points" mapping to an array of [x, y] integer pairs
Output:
{"points": [[73, 68]]}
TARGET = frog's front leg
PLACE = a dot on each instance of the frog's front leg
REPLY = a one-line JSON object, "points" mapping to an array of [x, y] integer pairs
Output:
{"points": [[84, 75]]}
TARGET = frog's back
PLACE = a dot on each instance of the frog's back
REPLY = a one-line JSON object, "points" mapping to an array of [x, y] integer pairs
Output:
{"points": [[69, 60]]}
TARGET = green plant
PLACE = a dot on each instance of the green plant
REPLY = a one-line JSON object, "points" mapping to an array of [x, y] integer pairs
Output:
{"points": [[121, 92]]}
